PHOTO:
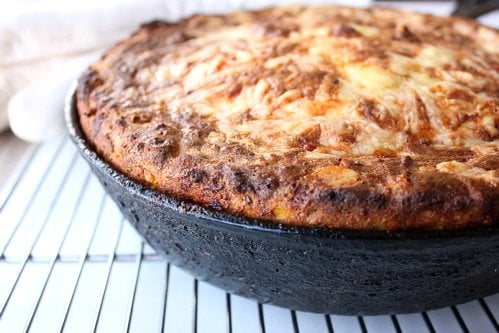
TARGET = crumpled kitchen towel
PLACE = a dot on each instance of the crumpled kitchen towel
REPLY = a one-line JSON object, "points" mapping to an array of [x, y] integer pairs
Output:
{"points": [[41, 41]]}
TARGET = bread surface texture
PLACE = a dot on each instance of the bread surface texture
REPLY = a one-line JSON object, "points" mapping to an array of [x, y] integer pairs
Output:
{"points": [[364, 119]]}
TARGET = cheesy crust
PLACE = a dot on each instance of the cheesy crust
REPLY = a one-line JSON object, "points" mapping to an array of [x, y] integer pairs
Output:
{"points": [[312, 116]]}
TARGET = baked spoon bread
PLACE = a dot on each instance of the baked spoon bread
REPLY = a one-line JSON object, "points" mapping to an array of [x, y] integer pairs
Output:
{"points": [[308, 116]]}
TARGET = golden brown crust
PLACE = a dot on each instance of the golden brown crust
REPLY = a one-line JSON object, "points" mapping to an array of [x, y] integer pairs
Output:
{"points": [[312, 116]]}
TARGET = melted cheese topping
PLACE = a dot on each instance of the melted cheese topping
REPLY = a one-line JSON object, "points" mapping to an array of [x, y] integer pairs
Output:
{"points": [[335, 82], [336, 175], [463, 169]]}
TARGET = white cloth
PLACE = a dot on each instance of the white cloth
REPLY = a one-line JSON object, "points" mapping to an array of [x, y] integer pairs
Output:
{"points": [[46, 39]]}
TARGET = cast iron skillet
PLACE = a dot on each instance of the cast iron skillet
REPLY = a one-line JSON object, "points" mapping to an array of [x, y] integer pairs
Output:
{"points": [[310, 269]]}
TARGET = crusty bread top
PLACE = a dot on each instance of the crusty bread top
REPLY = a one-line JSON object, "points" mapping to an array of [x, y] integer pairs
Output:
{"points": [[330, 116]]}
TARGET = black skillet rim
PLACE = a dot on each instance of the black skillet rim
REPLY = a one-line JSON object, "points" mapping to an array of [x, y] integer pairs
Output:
{"points": [[230, 220]]}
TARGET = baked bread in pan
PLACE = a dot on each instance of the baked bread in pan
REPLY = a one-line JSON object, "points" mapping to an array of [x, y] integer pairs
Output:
{"points": [[313, 116]]}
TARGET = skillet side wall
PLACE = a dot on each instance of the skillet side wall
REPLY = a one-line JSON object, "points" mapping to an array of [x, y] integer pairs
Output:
{"points": [[317, 270], [314, 272]]}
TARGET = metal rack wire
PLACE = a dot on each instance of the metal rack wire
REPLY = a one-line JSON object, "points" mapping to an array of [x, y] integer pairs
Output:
{"points": [[70, 262]]}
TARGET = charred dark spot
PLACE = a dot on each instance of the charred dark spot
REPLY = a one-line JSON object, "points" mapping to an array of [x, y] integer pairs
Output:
{"points": [[462, 95], [281, 49], [109, 142], [121, 122], [377, 200], [461, 203], [142, 118], [483, 134], [426, 200], [285, 79], [442, 193], [193, 135], [97, 123], [403, 33], [196, 175], [354, 196], [490, 206], [244, 116], [425, 142], [234, 89], [91, 111], [405, 161], [308, 139], [487, 162], [213, 182], [345, 31], [424, 130], [265, 184], [155, 24], [214, 185], [348, 133], [236, 150], [163, 142], [313, 80], [455, 120], [88, 82], [337, 196], [431, 153], [166, 151], [289, 172], [347, 163], [158, 141], [178, 37], [273, 30], [185, 116], [381, 117], [238, 179]]}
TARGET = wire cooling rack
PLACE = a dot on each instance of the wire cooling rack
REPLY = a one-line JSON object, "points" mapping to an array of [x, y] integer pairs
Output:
{"points": [[70, 262]]}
